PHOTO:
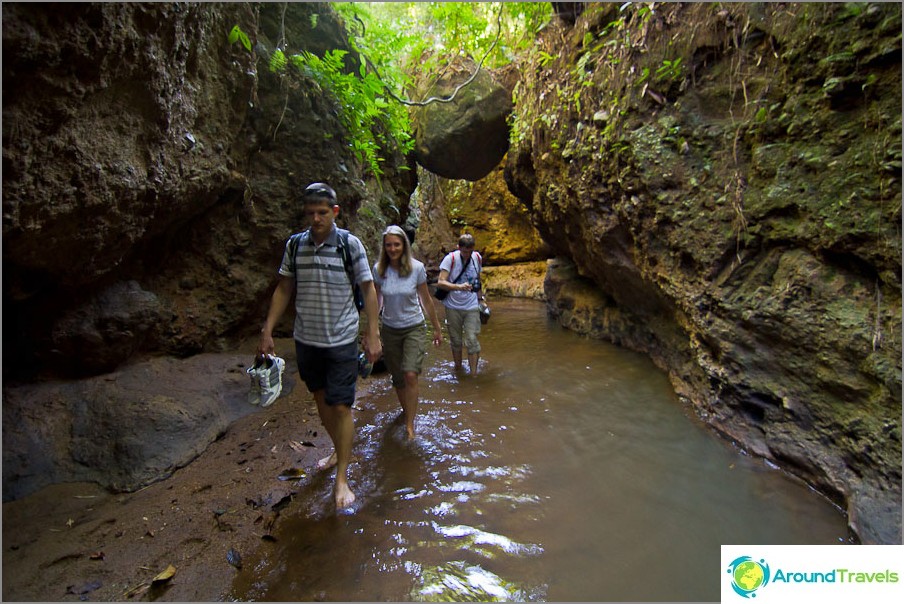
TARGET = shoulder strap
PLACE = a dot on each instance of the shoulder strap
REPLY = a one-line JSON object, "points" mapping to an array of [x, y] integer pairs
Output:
{"points": [[464, 267], [357, 294], [346, 254], [294, 240]]}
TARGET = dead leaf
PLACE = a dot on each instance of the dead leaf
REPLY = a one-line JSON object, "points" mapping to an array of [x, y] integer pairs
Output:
{"points": [[292, 474], [137, 590], [70, 523], [299, 446], [97, 556], [166, 575]]}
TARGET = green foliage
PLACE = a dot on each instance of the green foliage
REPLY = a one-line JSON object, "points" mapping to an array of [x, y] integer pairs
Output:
{"points": [[456, 218], [363, 107], [420, 36], [403, 38], [277, 61], [237, 35], [546, 58], [670, 70]]}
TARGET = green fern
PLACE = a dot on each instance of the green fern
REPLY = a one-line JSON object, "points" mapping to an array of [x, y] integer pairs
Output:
{"points": [[277, 61]]}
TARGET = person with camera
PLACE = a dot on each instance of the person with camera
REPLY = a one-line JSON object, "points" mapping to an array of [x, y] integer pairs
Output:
{"points": [[459, 275]]}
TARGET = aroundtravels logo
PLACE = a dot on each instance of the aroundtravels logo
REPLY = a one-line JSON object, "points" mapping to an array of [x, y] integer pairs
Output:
{"points": [[797, 573], [748, 575]]}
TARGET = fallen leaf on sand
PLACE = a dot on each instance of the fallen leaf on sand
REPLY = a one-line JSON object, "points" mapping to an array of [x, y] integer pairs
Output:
{"points": [[166, 575]]}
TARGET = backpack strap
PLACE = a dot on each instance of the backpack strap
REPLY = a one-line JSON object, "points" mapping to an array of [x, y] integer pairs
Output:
{"points": [[349, 269], [298, 238], [294, 240], [346, 255], [464, 267]]}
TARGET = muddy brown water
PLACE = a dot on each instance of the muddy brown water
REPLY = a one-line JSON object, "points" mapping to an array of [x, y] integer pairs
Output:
{"points": [[566, 471]]}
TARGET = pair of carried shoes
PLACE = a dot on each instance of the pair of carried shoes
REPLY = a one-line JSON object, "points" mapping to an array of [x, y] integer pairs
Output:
{"points": [[266, 380]]}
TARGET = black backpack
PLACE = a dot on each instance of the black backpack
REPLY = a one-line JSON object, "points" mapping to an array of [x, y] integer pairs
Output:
{"points": [[295, 239]]}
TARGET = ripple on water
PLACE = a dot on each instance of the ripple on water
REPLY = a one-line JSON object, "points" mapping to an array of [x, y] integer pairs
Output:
{"points": [[460, 581]]}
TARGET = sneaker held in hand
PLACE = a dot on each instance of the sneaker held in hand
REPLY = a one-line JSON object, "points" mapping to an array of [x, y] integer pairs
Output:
{"points": [[266, 380]]}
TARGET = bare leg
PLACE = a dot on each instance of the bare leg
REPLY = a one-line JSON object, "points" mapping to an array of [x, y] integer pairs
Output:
{"points": [[337, 420], [408, 397], [473, 359], [330, 460], [327, 462], [456, 356]]}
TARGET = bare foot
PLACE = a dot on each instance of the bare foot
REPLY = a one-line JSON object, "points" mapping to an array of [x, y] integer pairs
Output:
{"points": [[344, 495], [410, 430], [327, 462]]}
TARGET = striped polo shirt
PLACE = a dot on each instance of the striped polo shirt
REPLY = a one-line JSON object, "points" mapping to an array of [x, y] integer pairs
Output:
{"points": [[325, 313]]}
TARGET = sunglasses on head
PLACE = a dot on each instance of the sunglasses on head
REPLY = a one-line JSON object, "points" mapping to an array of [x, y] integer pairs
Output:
{"points": [[319, 191]]}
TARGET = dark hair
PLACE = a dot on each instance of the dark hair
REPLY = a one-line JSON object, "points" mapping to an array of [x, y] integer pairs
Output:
{"points": [[466, 240], [316, 191]]}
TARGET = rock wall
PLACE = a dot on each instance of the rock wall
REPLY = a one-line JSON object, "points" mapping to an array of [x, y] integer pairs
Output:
{"points": [[499, 222], [150, 174], [722, 183]]}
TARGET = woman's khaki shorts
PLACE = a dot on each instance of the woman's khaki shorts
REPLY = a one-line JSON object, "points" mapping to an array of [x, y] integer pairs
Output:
{"points": [[404, 350]]}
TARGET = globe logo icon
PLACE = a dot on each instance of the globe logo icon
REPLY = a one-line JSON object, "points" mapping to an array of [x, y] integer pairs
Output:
{"points": [[748, 575]]}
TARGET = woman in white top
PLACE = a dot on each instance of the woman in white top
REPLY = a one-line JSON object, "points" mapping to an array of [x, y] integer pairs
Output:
{"points": [[401, 283]]}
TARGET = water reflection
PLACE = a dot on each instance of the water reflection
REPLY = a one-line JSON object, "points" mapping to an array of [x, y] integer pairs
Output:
{"points": [[567, 470], [460, 582]]}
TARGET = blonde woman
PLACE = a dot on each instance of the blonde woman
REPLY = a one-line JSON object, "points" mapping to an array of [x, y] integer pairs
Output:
{"points": [[401, 284]]}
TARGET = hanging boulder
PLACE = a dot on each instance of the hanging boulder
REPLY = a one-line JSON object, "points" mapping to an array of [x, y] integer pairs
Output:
{"points": [[467, 137]]}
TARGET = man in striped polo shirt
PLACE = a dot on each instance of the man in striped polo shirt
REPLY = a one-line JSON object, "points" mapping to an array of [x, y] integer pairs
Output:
{"points": [[326, 321]]}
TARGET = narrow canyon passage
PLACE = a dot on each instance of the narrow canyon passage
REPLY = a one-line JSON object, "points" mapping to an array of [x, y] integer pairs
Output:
{"points": [[566, 471]]}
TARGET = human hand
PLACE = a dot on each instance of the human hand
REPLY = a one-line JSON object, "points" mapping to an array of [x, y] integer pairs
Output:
{"points": [[437, 338], [373, 348], [266, 345]]}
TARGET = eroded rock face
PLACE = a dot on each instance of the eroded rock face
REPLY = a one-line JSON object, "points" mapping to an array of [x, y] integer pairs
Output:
{"points": [[499, 222], [144, 152], [467, 137], [736, 216], [521, 280], [122, 430], [150, 180], [97, 336]]}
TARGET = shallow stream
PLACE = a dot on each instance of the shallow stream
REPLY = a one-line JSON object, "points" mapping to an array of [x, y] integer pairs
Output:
{"points": [[567, 470]]}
